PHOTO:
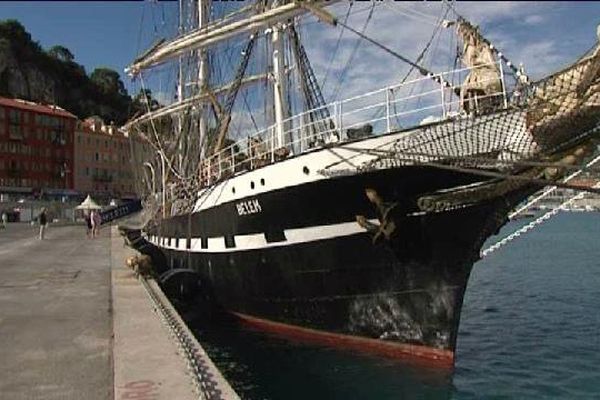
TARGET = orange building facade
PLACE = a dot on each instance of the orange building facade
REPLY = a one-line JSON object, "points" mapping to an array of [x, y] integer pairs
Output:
{"points": [[45, 151], [103, 160], [36, 147]]}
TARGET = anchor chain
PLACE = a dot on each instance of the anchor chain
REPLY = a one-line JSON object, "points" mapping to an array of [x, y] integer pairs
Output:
{"points": [[206, 387]]}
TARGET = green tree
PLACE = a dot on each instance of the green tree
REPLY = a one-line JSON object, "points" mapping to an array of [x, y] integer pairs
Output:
{"points": [[144, 100], [19, 38], [108, 81], [61, 53]]}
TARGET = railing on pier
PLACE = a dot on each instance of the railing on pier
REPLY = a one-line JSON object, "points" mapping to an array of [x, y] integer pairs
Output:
{"points": [[396, 107]]}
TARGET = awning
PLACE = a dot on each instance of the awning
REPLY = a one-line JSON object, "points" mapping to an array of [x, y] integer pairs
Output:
{"points": [[88, 204]]}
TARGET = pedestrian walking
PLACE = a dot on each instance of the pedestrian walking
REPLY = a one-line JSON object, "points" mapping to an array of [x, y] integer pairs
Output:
{"points": [[43, 220], [96, 221], [88, 223], [4, 219]]}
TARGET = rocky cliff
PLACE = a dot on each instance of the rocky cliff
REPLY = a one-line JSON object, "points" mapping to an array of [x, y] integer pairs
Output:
{"points": [[29, 72]]}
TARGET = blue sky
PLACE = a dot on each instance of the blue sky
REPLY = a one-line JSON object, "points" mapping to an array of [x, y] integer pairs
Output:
{"points": [[543, 35], [98, 33]]}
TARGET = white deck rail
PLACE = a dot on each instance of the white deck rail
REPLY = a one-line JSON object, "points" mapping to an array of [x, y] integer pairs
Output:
{"points": [[402, 106]]}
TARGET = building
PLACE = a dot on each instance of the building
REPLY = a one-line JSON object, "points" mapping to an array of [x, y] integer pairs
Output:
{"points": [[36, 148], [103, 161]]}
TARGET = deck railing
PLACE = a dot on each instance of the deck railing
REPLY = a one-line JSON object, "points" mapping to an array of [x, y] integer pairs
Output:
{"points": [[410, 104]]}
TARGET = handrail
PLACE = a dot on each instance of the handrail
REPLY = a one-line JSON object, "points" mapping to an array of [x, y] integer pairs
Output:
{"points": [[261, 148]]}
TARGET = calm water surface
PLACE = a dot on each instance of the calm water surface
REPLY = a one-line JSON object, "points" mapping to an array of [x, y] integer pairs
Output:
{"points": [[530, 329]]}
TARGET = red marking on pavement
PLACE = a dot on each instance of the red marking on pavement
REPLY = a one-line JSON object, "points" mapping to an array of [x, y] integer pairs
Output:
{"points": [[140, 390]]}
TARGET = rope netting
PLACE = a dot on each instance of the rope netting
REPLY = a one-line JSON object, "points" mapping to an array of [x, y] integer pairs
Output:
{"points": [[553, 114]]}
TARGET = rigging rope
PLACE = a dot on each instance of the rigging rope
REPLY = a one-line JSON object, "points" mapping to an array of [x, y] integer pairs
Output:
{"points": [[517, 72], [534, 223], [433, 35], [437, 78], [412, 68], [552, 188], [337, 89], [412, 13], [337, 45]]}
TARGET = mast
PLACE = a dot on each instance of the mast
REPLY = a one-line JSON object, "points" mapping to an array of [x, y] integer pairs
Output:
{"points": [[203, 9], [180, 86], [279, 85], [210, 35]]}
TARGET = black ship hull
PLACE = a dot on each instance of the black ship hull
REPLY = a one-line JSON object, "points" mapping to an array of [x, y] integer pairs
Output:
{"points": [[296, 261]]}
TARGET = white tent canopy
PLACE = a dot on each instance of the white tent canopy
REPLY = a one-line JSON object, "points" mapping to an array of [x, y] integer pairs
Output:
{"points": [[88, 204]]}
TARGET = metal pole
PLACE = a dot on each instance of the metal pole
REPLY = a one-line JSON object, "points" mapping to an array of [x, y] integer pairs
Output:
{"points": [[219, 161], [443, 98], [279, 84], [272, 146], [203, 11], [503, 87], [164, 185], [387, 109], [339, 114], [232, 160]]}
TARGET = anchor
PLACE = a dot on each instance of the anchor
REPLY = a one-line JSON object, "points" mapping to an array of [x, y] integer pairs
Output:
{"points": [[386, 227]]}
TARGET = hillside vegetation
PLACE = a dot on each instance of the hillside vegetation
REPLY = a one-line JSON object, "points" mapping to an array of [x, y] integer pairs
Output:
{"points": [[29, 72]]}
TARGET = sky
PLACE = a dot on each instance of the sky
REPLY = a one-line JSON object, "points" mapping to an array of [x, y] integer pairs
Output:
{"points": [[544, 36]]}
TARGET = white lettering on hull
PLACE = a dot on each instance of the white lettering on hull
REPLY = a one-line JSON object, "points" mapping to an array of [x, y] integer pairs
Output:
{"points": [[248, 207]]}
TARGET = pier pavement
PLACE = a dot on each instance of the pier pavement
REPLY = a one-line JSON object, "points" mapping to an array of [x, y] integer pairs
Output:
{"points": [[76, 324]]}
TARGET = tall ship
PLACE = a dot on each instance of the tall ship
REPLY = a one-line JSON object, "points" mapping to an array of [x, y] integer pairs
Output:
{"points": [[354, 222]]}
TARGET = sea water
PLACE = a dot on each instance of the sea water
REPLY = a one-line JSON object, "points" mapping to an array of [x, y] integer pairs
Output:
{"points": [[530, 329]]}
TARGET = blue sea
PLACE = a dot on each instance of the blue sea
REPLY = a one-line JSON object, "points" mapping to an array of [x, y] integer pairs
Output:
{"points": [[530, 329]]}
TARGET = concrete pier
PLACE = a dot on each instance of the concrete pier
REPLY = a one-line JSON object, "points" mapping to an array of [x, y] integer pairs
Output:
{"points": [[76, 324]]}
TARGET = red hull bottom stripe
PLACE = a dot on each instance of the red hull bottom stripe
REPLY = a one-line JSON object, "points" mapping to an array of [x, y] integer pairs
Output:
{"points": [[417, 354]]}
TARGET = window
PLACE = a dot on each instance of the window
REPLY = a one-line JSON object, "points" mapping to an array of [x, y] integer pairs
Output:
{"points": [[13, 116], [229, 241], [15, 131]]}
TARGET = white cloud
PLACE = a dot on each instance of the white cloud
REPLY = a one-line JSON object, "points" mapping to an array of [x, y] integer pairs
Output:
{"points": [[533, 33], [543, 36], [534, 19]]}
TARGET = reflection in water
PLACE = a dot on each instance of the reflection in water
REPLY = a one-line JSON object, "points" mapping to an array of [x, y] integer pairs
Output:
{"points": [[265, 366]]}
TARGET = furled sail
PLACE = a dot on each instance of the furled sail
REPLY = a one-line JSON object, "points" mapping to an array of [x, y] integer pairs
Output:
{"points": [[484, 78], [217, 33], [189, 102]]}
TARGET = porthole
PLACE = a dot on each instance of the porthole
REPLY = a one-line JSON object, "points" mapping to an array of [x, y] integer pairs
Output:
{"points": [[252, 185], [262, 181], [233, 190], [306, 170]]}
